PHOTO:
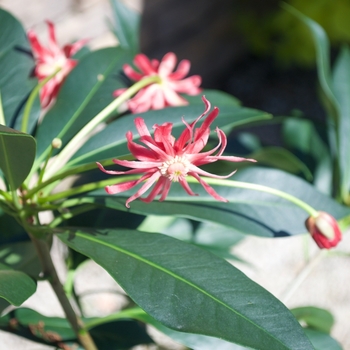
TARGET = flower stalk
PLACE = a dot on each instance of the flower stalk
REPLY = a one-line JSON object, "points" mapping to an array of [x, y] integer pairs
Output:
{"points": [[67, 151], [238, 184]]}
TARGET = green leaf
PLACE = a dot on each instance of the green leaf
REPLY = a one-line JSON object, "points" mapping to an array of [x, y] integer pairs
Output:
{"points": [[341, 83], [86, 91], [281, 158], [216, 97], [314, 317], [322, 54], [193, 341], [114, 335], [15, 286], [17, 154], [111, 141], [126, 25], [189, 289], [15, 69], [248, 211], [322, 341], [300, 135]]}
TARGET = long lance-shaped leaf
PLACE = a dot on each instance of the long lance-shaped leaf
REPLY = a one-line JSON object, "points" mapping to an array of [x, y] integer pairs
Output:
{"points": [[248, 211], [15, 70], [111, 142], [126, 25], [189, 289], [17, 154], [15, 286], [341, 83]]}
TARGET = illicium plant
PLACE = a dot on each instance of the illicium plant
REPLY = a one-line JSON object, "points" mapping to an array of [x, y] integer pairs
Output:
{"points": [[69, 122]]}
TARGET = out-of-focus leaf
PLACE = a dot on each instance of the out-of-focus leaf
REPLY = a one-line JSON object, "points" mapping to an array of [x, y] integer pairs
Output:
{"points": [[341, 83], [301, 136], [322, 341], [111, 142], [314, 317], [15, 286], [189, 289], [248, 211], [322, 54], [17, 154], [15, 70], [281, 158], [126, 26], [216, 97]]}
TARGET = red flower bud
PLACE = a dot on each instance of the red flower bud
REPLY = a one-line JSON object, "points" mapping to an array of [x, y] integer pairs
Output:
{"points": [[324, 230]]}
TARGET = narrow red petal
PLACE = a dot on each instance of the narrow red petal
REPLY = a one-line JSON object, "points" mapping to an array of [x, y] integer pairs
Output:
{"points": [[144, 64], [181, 71], [208, 188], [144, 188], [167, 64]]}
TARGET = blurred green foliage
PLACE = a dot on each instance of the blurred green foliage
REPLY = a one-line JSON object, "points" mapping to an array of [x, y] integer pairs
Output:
{"points": [[270, 30]]}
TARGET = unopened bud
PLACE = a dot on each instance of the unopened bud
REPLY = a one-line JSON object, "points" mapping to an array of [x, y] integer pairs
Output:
{"points": [[324, 229], [56, 143]]}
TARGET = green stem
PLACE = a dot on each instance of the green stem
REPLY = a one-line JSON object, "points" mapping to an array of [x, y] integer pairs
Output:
{"points": [[6, 195], [84, 188], [67, 152], [61, 175], [31, 99], [49, 271], [237, 184]]}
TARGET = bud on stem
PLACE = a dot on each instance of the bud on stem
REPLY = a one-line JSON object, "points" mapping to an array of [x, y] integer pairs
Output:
{"points": [[324, 229]]}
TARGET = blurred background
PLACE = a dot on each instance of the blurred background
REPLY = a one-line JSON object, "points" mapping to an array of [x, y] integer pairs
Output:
{"points": [[253, 50]]}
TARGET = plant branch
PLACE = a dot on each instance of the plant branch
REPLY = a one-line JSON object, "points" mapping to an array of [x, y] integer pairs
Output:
{"points": [[49, 271]]}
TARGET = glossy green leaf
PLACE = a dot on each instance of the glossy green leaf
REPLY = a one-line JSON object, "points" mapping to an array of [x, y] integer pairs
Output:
{"points": [[193, 341], [111, 141], [322, 341], [341, 83], [15, 69], [86, 91], [189, 289], [17, 154], [280, 158], [126, 25], [248, 211], [314, 317], [15, 286]]}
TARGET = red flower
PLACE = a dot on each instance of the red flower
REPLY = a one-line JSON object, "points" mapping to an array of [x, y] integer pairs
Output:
{"points": [[324, 230], [49, 59], [165, 93], [164, 160]]}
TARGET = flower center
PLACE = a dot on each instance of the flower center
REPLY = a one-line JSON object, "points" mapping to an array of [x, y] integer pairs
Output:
{"points": [[175, 169]]}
